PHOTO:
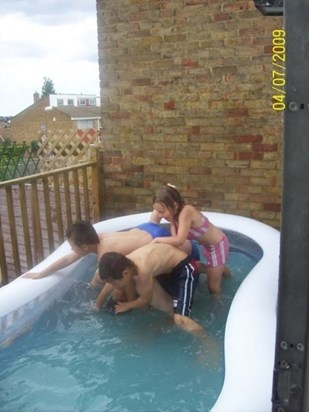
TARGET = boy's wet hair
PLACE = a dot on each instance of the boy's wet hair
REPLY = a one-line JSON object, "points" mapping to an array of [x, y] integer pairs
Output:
{"points": [[168, 195], [82, 233], [112, 264]]}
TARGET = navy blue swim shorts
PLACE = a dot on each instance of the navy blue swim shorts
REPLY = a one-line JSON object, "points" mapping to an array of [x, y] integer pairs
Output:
{"points": [[181, 284]]}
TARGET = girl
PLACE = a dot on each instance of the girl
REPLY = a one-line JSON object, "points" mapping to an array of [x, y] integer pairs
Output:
{"points": [[189, 223]]}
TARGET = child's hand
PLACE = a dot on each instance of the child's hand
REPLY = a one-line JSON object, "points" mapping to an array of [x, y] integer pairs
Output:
{"points": [[95, 308], [32, 275], [121, 307]]}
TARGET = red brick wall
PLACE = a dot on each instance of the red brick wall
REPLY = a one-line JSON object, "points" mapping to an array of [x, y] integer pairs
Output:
{"points": [[186, 98]]}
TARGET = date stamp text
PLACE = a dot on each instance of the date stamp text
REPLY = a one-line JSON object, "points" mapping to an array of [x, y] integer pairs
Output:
{"points": [[278, 69]]}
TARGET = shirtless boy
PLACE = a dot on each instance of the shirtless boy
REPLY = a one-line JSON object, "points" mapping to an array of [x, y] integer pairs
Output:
{"points": [[141, 267], [84, 239]]}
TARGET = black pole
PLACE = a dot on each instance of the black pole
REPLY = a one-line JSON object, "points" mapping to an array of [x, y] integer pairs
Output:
{"points": [[290, 385]]}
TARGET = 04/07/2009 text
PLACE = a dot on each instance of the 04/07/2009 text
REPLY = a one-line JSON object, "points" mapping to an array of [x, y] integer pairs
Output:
{"points": [[278, 69]]}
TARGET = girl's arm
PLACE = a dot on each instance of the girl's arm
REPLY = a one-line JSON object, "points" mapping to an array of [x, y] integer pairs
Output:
{"points": [[155, 217], [184, 224]]}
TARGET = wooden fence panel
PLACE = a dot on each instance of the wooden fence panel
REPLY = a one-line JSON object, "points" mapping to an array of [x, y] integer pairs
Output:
{"points": [[36, 210]]}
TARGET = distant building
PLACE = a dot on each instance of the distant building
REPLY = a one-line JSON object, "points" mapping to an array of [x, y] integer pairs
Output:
{"points": [[56, 111], [80, 100], [5, 122]]}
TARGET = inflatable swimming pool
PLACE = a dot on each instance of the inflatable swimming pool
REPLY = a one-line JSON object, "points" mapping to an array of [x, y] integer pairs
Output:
{"points": [[251, 323]]}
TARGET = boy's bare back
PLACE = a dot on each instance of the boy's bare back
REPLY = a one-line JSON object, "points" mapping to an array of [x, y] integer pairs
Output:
{"points": [[156, 259], [122, 242]]}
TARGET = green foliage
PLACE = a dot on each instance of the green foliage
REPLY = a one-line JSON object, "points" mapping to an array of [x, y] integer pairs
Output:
{"points": [[48, 87], [34, 146], [18, 160]]}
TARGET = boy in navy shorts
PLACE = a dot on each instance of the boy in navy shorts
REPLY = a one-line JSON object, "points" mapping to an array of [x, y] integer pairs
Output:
{"points": [[136, 274]]}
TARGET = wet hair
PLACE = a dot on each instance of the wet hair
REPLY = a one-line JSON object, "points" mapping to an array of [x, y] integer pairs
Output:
{"points": [[168, 195], [112, 264], [82, 233]]}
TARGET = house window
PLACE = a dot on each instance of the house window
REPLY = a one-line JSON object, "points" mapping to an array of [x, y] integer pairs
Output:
{"points": [[70, 102], [87, 102], [60, 102], [86, 124]]}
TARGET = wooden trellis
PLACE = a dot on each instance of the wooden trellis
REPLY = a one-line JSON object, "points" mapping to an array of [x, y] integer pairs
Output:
{"points": [[62, 148]]}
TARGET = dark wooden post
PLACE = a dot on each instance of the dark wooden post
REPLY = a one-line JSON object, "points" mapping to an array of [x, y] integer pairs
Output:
{"points": [[3, 267], [290, 387], [97, 184]]}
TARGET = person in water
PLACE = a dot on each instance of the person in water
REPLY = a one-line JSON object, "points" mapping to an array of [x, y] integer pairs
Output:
{"points": [[141, 269], [84, 239], [189, 223]]}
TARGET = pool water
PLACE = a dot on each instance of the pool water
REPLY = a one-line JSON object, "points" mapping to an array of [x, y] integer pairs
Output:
{"points": [[77, 360]]}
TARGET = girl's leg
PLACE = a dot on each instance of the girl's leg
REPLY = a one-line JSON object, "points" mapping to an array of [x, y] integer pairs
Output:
{"points": [[226, 272], [215, 267], [214, 276]]}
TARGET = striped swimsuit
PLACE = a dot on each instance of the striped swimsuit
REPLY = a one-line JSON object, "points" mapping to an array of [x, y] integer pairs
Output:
{"points": [[217, 254]]}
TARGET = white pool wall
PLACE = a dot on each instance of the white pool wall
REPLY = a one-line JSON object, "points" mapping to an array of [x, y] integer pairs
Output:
{"points": [[249, 343], [251, 323]]}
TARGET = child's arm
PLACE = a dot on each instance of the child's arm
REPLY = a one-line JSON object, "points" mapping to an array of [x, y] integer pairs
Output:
{"points": [[184, 224], [155, 217], [57, 265], [144, 299], [103, 295]]}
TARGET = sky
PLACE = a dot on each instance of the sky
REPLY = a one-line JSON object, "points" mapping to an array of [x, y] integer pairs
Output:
{"points": [[56, 39]]}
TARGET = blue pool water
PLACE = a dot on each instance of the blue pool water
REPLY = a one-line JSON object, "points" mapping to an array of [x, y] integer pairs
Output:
{"points": [[75, 360]]}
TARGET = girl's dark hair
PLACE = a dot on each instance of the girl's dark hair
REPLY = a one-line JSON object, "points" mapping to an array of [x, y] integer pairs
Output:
{"points": [[169, 196], [112, 264], [82, 233]]}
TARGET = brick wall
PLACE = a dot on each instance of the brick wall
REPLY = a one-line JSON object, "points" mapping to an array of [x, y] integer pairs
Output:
{"points": [[186, 98]]}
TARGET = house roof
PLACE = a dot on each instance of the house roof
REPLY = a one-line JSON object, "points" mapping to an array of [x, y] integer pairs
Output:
{"points": [[80, 112]]}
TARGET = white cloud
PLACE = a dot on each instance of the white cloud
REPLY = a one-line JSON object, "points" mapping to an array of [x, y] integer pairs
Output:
{"points": [[46, 39]]}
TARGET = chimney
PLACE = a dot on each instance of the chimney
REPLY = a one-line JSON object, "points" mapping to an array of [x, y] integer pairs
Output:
{"points": [[36, 97]]}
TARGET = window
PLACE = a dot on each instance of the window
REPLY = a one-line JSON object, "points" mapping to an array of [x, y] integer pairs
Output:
{"points": [[87, 102], [60, 102], [82, 102], [86, 124], [70, 102]]}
